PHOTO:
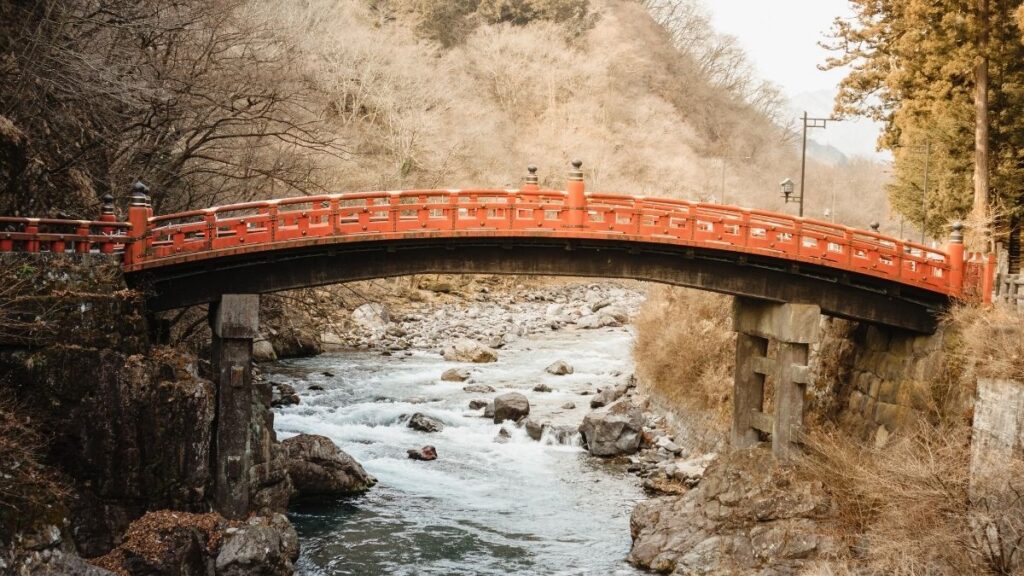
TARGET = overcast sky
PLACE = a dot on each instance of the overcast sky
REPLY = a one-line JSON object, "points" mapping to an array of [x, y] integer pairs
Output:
{"points": [[781, 38]]}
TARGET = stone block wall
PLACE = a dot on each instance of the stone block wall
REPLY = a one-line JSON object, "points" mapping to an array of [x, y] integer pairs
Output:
{"points": [[888, 379]]}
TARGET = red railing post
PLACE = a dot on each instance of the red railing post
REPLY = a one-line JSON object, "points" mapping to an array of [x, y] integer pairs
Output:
{"points": [[107, 215], [139, 213], [31, 229], [988, 278], [576, 198], [531, 182], [955, 250]]}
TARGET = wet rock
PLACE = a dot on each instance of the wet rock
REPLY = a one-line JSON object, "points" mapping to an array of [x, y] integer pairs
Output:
{"points": [[470, 351], [478, 389], [569, 406], [455, 375], [542, 388], [613, 431], [315, 388], [284, 395], [559, 368], [319, 468], [607, 396], [328, 374], [511, 406], [478, 404], [489, 410], [424, 423], [425, 453], [534, 429], [503, 436]]}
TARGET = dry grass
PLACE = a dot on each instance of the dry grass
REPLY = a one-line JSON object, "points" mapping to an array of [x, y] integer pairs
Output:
{"points": [[903, 509], [685, 349], [992, 341]]}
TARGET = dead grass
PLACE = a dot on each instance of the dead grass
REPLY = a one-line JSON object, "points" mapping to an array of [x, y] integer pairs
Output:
{"points": [[992, 341], [685, 349]]}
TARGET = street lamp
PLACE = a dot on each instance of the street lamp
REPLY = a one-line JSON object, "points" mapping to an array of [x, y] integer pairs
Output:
{"points": [[809, 123], [787, 192]]}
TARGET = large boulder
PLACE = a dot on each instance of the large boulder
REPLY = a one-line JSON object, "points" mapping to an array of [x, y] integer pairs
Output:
{"points": [[319, 468], [511, 406], [259, 547], [470, 351], [613, 431], [424, 423], [372, 316], [748, 513]]}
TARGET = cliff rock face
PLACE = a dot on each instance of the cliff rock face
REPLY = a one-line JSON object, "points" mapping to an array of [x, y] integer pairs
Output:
{"points": [[749, 515], [129, 425]]}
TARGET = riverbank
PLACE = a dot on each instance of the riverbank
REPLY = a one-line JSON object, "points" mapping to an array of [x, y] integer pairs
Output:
{"points": [[495, 501]]}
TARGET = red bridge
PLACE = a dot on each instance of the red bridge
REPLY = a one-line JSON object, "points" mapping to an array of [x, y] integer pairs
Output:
{"points": [[257, 247]]}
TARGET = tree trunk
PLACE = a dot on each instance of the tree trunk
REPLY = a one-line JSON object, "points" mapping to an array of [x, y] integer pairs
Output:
{"points": [[980, 214]]}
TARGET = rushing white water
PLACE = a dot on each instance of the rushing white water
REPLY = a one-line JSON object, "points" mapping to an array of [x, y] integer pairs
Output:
{"points": [[483, 507]]}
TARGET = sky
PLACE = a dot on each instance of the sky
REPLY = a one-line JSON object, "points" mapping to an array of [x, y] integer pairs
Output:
{"points": [[781, 39]]}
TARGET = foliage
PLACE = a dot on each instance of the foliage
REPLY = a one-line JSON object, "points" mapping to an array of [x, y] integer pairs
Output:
{"points": [[30, 492], [911, 66], [685, 349]]}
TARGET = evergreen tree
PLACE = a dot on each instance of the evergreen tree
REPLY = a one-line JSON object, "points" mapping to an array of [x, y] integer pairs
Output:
{"points": [[914, 65]]}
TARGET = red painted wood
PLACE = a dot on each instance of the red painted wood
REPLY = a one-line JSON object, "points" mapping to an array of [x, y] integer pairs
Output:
{"points": [[364, 216]]}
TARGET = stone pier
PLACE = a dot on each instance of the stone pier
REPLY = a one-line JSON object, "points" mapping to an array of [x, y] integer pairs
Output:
{"points": [[793, 328], [234, 321]]}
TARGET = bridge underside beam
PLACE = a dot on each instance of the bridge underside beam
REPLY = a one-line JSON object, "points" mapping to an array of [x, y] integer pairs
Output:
{"points": [[793, 327], [836, 293]]}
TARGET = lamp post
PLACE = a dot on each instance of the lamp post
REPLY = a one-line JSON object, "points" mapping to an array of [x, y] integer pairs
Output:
{"points": [[786, 186], [809, 123]]}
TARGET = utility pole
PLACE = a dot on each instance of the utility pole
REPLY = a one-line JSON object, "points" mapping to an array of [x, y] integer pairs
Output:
{"points": [[808, 123]]}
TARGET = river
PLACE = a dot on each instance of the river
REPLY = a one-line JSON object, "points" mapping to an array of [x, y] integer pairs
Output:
{"points": [[483, 507]]}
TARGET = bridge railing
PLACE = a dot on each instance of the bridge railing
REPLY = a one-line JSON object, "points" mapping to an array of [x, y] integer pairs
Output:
{"points": [[149, 240], [59, 236]]}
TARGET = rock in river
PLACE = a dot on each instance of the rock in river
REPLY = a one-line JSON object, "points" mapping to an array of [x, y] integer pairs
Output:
{"points": [[478, 404], [318, 468], [425, 453], [511, 406], [424, 423], [470, 351], [560, 368], [455, 375], [614, 430], [478, 388], [284, 395]]}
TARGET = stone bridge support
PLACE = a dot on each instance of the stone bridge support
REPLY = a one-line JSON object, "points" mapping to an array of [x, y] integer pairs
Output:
{"points": [[793, 328], [234, 321]]}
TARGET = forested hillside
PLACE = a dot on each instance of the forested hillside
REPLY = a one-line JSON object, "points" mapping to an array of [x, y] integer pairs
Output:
{"points": [[209, 102]]}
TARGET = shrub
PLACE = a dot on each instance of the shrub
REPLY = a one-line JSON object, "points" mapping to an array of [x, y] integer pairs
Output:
{"points": [[685, 349]]}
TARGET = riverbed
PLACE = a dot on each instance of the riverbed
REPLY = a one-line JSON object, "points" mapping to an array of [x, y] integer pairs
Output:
{"points": [[483, 507]]}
